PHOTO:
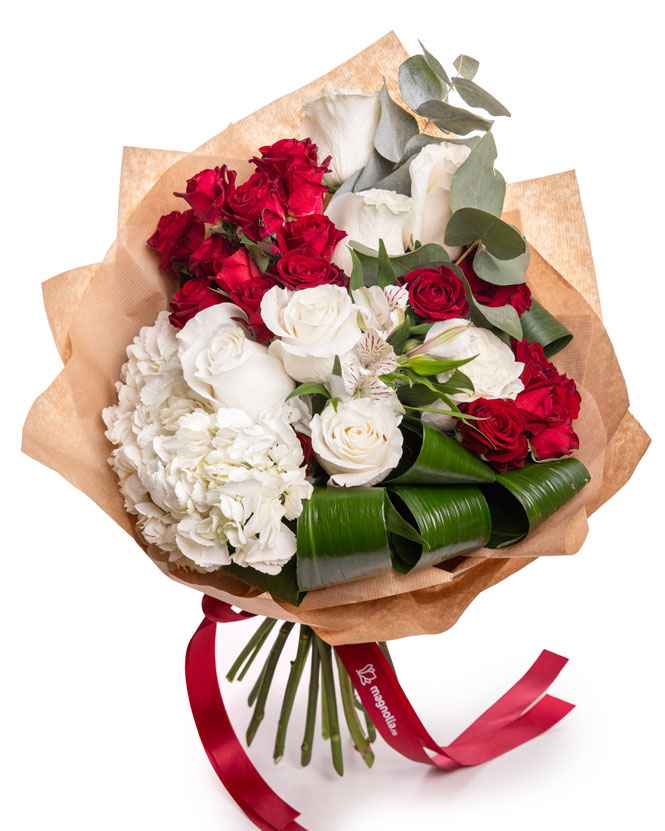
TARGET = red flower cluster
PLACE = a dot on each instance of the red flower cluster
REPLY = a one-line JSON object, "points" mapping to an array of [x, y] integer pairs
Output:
{"points": [[518, 296], [549, 403], [281, 204], [436, 293], [540, 419]]}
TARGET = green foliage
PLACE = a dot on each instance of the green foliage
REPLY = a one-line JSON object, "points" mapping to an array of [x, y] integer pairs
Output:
{"points": [[395, 128], [476, 184], [469, 225], [466, 66]]}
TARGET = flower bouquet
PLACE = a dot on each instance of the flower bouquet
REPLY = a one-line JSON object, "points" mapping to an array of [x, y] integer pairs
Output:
{"points": [[355, 396]]}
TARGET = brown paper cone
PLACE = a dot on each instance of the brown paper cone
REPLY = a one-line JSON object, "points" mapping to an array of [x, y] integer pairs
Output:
{"points": [[64, 429]]}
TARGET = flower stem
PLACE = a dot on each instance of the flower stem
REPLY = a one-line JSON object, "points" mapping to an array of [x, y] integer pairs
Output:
{"points": [[328, 678], [297, 666], [325, 726], [468, 251], [251, 649], [266, 679], [383, 646], [312, 700], [369, 724], [360, 741]]}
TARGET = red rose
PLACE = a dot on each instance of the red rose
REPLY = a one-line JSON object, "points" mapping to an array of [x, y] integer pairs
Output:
{"points": [[209, 256], [258, 206], [307, 450], [177, 236], [208, 191], [554, 442], [237, 271], [241, 279], [549, 403], [537, 369], [315, 230], [436, 293], [518, 295], [192, 298], [304, 268], [295, 164], [500, 437]]}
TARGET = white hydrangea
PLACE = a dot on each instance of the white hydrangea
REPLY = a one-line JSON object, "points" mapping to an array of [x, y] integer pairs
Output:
{"points": [[210, 485]]}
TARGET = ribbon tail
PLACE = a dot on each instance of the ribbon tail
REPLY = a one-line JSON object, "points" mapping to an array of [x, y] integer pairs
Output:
{"points": [[231, 764]]}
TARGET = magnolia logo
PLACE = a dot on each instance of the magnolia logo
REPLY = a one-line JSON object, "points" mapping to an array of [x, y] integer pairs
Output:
{"points": [[367, 674]]}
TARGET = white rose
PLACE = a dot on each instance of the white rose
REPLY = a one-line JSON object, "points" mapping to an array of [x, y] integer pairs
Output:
{"points": [[312, 325], [359, 442], [494, 372], [369, 216], [342, 124], [432, 172], [224, 366]]}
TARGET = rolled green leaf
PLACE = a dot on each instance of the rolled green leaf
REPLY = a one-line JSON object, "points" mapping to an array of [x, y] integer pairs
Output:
{"points": [[539, 326], [342, 536], [282, 586], [451, 519], [430, 457], [520, 500]]}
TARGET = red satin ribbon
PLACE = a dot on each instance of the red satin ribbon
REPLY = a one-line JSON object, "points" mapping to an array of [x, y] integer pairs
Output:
{"points": [[523, 713]]}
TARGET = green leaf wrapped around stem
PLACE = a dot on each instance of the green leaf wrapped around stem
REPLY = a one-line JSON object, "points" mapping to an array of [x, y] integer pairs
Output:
{"points": [[312, 700], [266, 679], [360, 741], [297, 666], [328, 679], [251, 649]]}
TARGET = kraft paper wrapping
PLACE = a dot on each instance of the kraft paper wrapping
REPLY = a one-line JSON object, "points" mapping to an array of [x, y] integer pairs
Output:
{"points": [[95, 312]]}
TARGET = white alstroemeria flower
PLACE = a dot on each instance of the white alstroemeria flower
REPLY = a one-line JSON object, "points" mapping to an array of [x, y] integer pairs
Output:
{"points": [[362, 369], [493, 371], [312, 326], [209, 484], [382, 309], [432, 172], [342, 124], [369, 216], [221, 364], [357, 443]]}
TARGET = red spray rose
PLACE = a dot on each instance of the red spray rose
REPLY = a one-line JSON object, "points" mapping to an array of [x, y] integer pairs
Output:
{"points": [[295, 163], [500, 437], [307, 450], [208, 191], [518, 295], [209, 256], [192, 298], [436, 293], [258, 206], [304, 268], [549, 404], [315, 230], [237, 271], [177, 236], [240, 277]]}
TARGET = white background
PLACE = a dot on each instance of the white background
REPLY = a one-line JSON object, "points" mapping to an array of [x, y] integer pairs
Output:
{"points": [[97, 732]]}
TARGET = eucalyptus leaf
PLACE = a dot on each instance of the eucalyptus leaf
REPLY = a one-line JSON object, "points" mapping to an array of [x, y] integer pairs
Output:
{"points": [[399, 180], [476, 184], [430, 457], [466, 66], [453, 119], [451, 520], [500, 272], [349, 185], [469, 225], [395, 128], [426, 255], [504, 318], [520, 500], [476, 96], [376, 168], [415, 144], [435, 65], [539, 326], [418, 82]]}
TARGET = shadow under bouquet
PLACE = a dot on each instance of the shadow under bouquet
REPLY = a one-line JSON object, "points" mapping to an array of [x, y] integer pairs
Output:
{"points": [[366, 380]]}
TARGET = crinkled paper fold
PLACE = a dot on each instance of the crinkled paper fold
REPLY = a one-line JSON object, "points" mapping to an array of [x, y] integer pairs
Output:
{"points": [[97, 310]]}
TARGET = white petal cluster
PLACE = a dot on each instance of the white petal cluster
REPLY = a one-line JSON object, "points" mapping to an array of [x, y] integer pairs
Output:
{"points": [[210, 484]]}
